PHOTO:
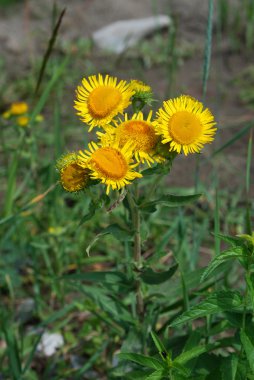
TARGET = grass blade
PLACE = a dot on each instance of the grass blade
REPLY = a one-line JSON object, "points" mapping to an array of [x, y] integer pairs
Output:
{"points": [[248, 202], [231, 141], [32, 354], [41, 102], [49, 50], [208, 49]]}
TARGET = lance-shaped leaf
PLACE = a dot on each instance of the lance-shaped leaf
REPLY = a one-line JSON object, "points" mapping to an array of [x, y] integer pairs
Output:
{"points": [[169, 200], [191, 354], [216, 303], [233, 253], [154, 278], [111, 277], [248, 348], [157, 375], [229, 367], [145, 361]]}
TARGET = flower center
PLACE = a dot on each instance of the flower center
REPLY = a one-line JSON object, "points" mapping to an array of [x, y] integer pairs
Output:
{"points": [[184, 127], [110, 162], [140, 132], [73, 177], [103, 100]]}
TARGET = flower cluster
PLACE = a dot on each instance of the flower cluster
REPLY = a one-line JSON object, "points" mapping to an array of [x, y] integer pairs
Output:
{"points": [[19, 113], [126, 142]]}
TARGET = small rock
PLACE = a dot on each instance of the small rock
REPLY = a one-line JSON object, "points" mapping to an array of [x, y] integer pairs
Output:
{"points": [[49, 343], [120, 35]]}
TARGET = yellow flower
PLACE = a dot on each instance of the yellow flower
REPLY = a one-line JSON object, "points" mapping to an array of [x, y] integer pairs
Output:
{"points": [[139, 86], [140, 134], [6, 114], [22, 121], [185, 124], [110, 163], [142, 94], [18, 108], [100, 99], [73, 177]]}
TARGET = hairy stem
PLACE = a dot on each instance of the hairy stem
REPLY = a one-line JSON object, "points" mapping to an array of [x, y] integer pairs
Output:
{"points": [[135, 214]]}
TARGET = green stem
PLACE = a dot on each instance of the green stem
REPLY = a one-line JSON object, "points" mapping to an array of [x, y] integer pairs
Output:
{"points": [[245, 299], [135, 214]]}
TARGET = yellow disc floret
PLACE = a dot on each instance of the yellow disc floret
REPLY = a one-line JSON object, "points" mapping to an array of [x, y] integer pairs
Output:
{"points": [[100, 99], [138, 132], [185, 124], [110, 163]]}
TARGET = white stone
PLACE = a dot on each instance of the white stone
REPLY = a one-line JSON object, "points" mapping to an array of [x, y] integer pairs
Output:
{"points": [[49, 343], [120, 35]]}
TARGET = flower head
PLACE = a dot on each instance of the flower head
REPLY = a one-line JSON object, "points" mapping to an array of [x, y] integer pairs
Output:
{"points": [[100, 99], [73, 177], [22, 121], [185, 124], [142, 92], [110, 163], [139, 87], [15, 109], [138, 132], [18, 108]]}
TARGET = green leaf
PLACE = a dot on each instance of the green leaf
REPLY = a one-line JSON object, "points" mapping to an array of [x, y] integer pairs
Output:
{"points": [[118, 232], [157, 375], [154, 278], [248, 348], [13, 352], [105, 277], [242, 370], [169, 200], [91, 211], [163, 168], [90, 362], [59, 314], [218, 302], [235, 319], [191, 354], [32, 354], [145, 361], [193, 340], [114, 230], [234, 241], [218, 260], [229, 367], [48, 88], [136, 374], [160, 346], [180, 369], [112, 307]]}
